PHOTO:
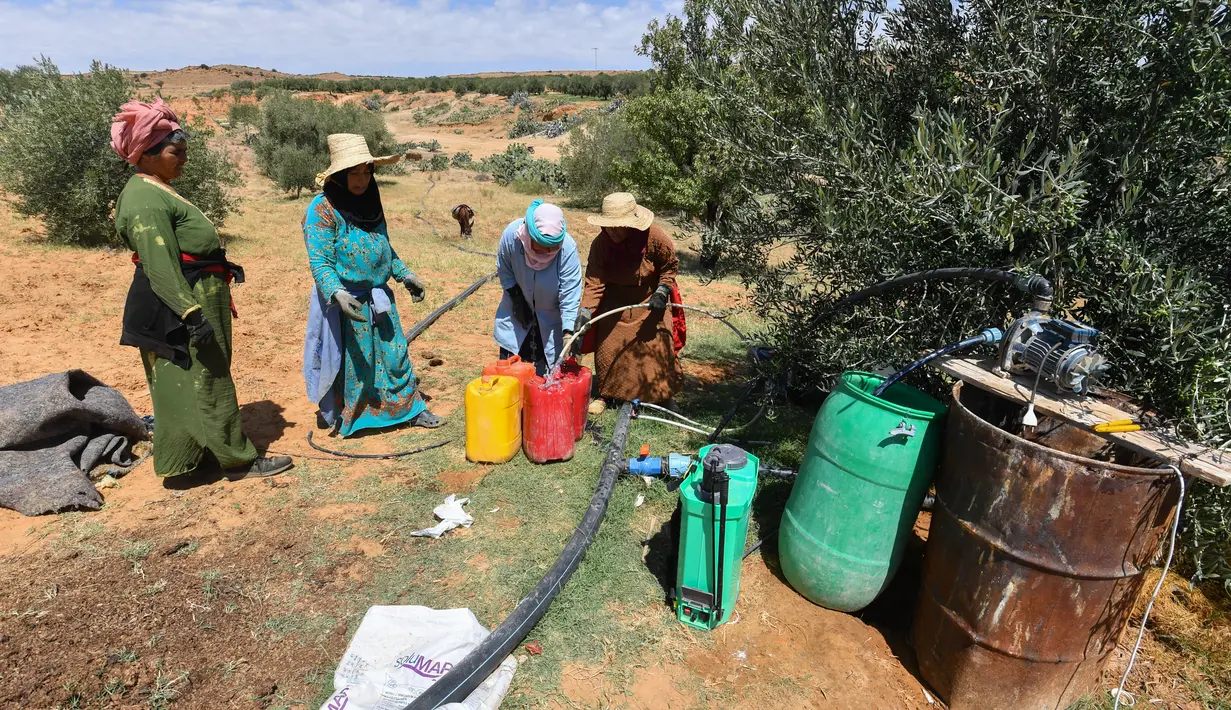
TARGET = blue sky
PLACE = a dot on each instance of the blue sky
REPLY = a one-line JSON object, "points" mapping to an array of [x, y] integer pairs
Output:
{"points": [[384, 37]]}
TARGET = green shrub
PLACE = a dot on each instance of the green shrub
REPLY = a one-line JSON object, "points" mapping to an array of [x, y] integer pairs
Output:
{"points": [[597, 156], [437, 163], [530, 187], [16, 82], [463, 160], [247, 115], [517, 163], [654, 147], [56, 159], [295, 168], [288, 122]]}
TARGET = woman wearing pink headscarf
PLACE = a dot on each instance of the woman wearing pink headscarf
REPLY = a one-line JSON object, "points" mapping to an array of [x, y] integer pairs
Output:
{"points": [[179, 310], [540, 272]]}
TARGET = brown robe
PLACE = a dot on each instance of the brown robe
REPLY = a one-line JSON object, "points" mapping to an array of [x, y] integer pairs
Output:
{"points": [[633, 354]]}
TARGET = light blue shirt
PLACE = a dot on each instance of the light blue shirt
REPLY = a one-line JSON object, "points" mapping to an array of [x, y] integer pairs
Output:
{"points": [[554, 293]]}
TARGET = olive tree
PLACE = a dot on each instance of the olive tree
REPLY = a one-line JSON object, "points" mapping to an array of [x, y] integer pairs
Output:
{"points": [[56, 160], [1088, 142]]}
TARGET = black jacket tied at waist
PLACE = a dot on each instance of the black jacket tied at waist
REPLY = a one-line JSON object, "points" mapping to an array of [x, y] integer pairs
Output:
{"points": [[149, 324]]}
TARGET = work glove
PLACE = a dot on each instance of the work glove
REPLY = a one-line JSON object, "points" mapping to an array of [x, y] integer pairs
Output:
{"points": [[658, 301], [522, 312], [350, 305], [583, 319], [415, 286], [199, 330]]}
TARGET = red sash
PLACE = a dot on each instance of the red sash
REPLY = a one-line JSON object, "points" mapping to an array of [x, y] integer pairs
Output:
{"points": [[212, 269]]}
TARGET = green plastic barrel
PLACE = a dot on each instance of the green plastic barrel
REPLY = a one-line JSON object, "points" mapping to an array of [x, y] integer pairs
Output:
{"points": [[869, 463]]}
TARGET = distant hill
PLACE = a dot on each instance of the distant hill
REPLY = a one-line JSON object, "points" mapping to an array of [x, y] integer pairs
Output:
{"points": [[202, 78]]}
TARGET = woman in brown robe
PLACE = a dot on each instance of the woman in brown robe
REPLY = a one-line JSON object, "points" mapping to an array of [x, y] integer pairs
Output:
{"points": [[632, 261]]}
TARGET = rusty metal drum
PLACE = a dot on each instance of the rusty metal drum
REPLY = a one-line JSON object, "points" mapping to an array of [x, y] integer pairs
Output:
{"points": [[1035, 557]]}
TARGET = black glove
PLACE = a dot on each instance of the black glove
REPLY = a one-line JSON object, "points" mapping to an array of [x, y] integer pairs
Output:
{"points": [[415, 286], [199, 330], [351, 307], [583, 318], [662, 294], [522, 312]]}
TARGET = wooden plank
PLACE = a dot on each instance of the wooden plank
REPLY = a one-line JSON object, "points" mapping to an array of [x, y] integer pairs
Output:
{"points": [[1210, 465]]}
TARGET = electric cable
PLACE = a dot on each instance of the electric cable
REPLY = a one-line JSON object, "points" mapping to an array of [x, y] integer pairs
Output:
{"points": [[394, 455], [1175, 528]]}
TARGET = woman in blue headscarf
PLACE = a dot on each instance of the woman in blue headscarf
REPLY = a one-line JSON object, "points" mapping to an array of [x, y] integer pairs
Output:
{"points": [[540, 272]]}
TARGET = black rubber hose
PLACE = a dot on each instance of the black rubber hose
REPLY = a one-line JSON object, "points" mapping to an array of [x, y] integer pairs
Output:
{"points": [[939, 352], [459, 247], [432, 317], [395, 455], [456, 685], [1037, 286]]}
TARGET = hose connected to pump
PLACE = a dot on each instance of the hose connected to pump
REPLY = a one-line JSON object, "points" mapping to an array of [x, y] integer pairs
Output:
{"points": [[1037, 286], [989, 335]]}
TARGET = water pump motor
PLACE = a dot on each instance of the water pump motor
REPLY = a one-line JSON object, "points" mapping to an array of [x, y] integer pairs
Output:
{"points": [[1061, 352]]}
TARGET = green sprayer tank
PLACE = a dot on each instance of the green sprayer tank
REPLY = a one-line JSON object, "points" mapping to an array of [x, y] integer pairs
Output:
{"points": [[869, 463], [715, 500]]}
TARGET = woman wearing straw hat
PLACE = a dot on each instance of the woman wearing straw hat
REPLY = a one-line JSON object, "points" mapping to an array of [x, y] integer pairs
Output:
{"points": [[540, 272], [178, 310], [356, 362], [632, 261]]}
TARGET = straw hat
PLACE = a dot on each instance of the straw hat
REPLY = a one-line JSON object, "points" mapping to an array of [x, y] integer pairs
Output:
{"points": [[620, 209], [346, 150]]}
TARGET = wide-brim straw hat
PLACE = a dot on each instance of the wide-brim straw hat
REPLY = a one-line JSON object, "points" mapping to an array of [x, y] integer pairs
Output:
{"points": [[620, 209], [346, 150]]}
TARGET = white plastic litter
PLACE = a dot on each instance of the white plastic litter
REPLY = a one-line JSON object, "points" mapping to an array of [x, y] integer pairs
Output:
{"points": [[399, 651], [639, 502], [451, 515]]}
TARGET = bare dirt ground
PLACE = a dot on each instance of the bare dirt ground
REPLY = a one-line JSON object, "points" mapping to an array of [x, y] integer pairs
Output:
{"points": [[188, 596], [245, 594]]}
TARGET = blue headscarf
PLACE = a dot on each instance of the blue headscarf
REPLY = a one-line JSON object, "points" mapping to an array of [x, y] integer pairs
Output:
{"points": [[547, 240]]}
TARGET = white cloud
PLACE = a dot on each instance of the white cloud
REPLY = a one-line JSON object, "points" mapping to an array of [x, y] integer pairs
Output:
{"points": [[353, 36]]}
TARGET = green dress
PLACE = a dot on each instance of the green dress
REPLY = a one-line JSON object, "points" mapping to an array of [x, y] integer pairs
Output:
{"points": [[194, 409]]}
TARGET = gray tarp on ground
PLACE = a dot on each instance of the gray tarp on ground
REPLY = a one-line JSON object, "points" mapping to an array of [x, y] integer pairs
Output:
{"points": [[53, 430]]}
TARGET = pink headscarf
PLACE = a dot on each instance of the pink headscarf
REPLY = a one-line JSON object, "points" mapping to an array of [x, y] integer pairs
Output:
{"points": [[138, 127], [549, 219]]}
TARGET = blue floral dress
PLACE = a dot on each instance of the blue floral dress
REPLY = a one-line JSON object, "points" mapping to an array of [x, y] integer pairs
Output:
{"points": [[375, 385]]}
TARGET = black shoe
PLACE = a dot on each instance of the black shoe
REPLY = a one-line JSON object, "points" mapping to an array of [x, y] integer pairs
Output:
{"points": [[262, 467], [427, 420]]}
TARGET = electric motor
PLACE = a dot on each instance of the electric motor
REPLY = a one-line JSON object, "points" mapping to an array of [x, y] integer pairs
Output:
{"points": [[1062, 353]]}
